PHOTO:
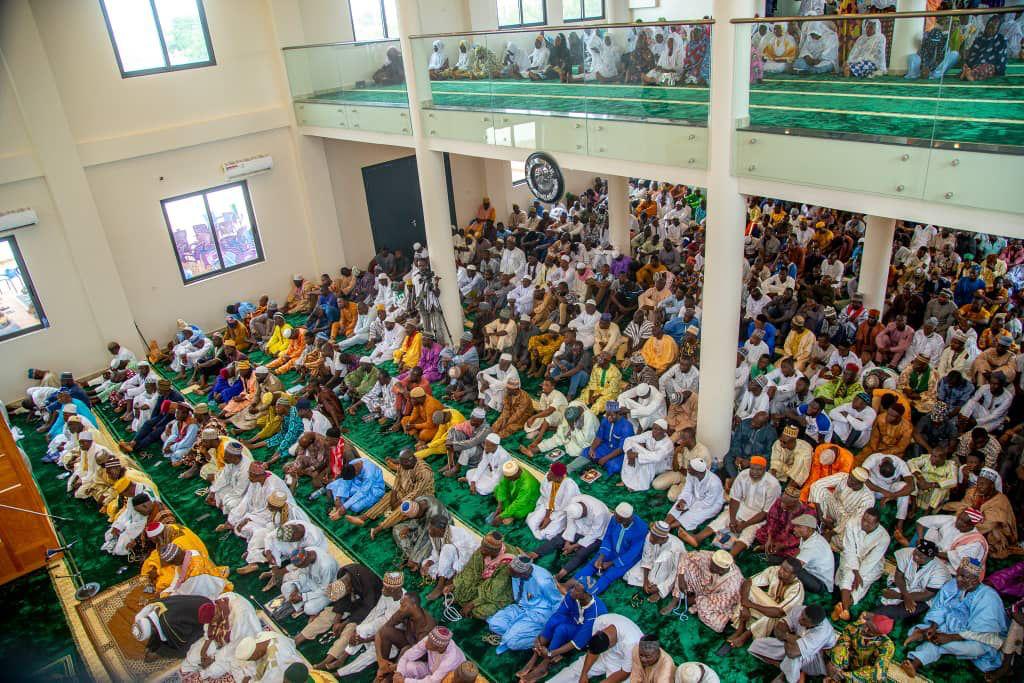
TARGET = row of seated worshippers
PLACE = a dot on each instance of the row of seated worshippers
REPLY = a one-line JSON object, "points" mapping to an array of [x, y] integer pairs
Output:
{"points": [[795, 484]]}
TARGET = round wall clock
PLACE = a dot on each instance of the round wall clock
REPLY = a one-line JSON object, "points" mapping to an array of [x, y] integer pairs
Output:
{"points": [[544, 177]]}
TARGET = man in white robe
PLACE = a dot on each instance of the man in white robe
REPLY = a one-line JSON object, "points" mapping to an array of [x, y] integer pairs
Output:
{"points": [[798, 643], [305, 584], [358, 641], [861, 561], [129, 525], [752, 493], [87, 469], [840, 499], [574, 432], [212, 660], [385, 349], [282, 509], [380, 399], [956, 537], [701, 498], [557, 491], [655, 573], [646, 456], [265, 657], [852, 422], [585, 324], [919, 575], [451, 546], [232, 480], [492, 381], [644, 404], [484, 478], [253, 514]]}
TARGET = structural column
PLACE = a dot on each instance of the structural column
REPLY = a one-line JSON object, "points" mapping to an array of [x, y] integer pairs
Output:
{"points": [[433, 189], [906, 34], [874, 262], [723, 257], [498, 185], [618, 213]]}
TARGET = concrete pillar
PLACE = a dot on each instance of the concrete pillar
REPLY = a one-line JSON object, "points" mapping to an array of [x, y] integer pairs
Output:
{"points": [[906, 34], [554, 12], [616, 11], [35, 89], [874, 267], [498, 186], [618, 213], [723, 257], [430, 169]]}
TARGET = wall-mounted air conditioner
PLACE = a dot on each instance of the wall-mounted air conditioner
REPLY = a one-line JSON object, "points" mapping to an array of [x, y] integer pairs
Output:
{"points": [[243, 168], [17, 218]]}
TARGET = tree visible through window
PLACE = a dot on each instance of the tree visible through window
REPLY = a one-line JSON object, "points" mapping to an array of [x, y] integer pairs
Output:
{"points": [[213, 230], [20, 311], [153, 36], [373, 19], [580, 10], [512, 13]]}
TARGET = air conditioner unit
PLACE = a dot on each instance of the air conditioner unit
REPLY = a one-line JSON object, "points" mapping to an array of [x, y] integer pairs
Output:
{"points": [[247, 167], [17, 218]]}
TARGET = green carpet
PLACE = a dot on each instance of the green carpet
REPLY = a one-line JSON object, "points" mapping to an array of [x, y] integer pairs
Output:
{"points": [[685, 640], [886, 106], [35, 642]]}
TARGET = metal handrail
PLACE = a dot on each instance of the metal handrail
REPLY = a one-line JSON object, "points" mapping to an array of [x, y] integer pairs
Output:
{"points": [[574, 26], [880, 15], [342, 43]]}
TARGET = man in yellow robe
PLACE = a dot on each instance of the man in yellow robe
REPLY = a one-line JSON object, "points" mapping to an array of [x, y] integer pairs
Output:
{"points": [[157, 573], [604, 384], [408, 354], [799, 343], [278, 342], [660, 350], [449, 417], [192, 573]]}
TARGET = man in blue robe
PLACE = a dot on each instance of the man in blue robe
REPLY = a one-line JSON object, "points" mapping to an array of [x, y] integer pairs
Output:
{"points": [[966, 620], [360, 486], [64, 398], [535, 597], [606, 450], [568, 630], [621, 547]]}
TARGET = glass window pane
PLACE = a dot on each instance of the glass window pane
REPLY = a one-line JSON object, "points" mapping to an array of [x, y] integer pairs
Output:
{"points": [[572, 10], [135, 34], [533, 11], [367, 22], [391, 15], [193, 240], [593, 9], [508, 12], [231, 223], [518, 171], [20, 310], [183, 31]]}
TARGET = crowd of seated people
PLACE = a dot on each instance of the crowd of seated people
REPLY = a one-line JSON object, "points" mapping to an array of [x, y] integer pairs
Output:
{"points": [[875, 463]]}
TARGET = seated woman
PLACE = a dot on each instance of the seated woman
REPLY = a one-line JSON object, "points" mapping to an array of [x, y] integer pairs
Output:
{"points": [[438, 64], [779, 50], [669, 66], [559, 62], [640, 60], [819, 53], [514, 64], [539, 60], [605, 58], [483, 63], [391, 73], [461, 68], [867, 56], [697, 64], [987, 56]]}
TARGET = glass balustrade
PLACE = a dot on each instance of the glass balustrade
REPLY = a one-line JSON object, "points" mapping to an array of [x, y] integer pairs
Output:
{"points": [[571, 89], [360, 86], [939, 85]]}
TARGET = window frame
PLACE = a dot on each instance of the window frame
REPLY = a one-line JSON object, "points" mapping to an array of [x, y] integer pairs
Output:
{"points": [[26, 279], [521, 181], [212, 61], [583, 13], [260, 256], [383, 23], [542, 22]]}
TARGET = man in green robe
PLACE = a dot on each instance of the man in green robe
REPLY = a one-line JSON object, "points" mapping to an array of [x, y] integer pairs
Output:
{"points": [[516, 493], [842, 389], [485, 584], [359, 381]]}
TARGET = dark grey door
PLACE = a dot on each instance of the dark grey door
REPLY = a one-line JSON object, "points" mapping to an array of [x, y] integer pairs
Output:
{"points": [[393, 200]]}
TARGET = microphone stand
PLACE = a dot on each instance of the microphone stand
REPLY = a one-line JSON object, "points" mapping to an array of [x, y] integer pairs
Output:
{"points": [[85, 590]]}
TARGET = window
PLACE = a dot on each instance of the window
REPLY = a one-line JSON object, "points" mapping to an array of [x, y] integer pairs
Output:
{"points": [[512, 13], [582, 10], [518, 172], [20, 311], [373, 19], [232, 242], [153, 36]]}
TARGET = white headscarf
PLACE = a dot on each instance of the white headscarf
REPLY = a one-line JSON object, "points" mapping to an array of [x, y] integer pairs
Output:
{"points": [[607, 57], [825, 48], [870, 48], [463, 61], [674, 61], [437, 57], [779, 44]]}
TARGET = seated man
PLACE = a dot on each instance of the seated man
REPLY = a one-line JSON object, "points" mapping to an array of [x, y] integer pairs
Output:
{"points": [[476, 595], [646, 455], [431, 658], [169, 627], [193, 573], [998, 522], [407, 625], [819, 564], [655, 573], [841, 498], [486, 476], [777, 535], [360, 590], [620, 549], [586, 520], [359, 623], [516, 494], [890, 480], [966, 619], [570, 628], [765, 599], [609, 652], [752, 494], [700, 499], [919, 575], [516, 409], [557, 492], [450, 547], [711, 582], [798, 644], [861, 563], [863, 650], [535, 599], [213, 656], [359, 488], [607, 448]]}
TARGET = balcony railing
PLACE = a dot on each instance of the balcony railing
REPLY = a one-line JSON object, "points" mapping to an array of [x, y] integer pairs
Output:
{"points": [[361, 73]]}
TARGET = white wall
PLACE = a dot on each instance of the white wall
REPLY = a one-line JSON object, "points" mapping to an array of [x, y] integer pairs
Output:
{"points": [[128, 195], [673, 9]]}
